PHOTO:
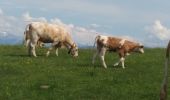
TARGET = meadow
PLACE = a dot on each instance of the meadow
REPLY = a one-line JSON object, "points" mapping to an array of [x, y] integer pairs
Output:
{"points": [[64, 78]]}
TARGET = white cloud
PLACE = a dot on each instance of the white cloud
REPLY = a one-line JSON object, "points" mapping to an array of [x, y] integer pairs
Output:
{"points": [[157, 35], [14, 27], [95, 25], [81, 35], [28, 18], [3, 34], [1, 12], [8, 25], [57, 21], [11, 26], [44, 9], [159, 30], [82, 6]]}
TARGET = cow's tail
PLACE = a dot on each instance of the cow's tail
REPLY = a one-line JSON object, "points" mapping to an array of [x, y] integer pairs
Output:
{"points": [[96, 39], [24, 40], [163, 91], [26, 35]]}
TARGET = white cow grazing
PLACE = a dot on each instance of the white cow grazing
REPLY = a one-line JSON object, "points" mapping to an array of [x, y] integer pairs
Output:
{"points": [[122, 46], [27, 40], [49, 33]]}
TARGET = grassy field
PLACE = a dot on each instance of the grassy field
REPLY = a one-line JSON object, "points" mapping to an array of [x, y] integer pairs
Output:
{"points": [[64, 78]]}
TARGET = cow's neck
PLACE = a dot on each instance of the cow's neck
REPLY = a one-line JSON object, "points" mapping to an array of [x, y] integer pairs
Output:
{"points": [[133, 47], [69, 43]]}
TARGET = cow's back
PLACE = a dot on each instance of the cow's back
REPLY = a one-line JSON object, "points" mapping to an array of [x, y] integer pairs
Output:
{"points": [[48, 32], [113, 43]]}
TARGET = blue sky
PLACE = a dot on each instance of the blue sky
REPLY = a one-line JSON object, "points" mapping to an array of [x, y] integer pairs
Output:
{"points": [[146, 21]]}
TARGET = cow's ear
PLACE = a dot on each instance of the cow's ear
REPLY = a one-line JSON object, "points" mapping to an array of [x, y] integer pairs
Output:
{"points": [[74, 45]]}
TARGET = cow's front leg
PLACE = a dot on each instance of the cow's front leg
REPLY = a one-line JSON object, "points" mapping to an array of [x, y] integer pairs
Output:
{"points": [[48, 52], [51, 48], [102, 54], [122, 58], [56, 51], [120, 55]]}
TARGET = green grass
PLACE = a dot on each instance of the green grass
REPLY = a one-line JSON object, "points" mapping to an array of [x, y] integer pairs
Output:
{"points": [[21, 77]]}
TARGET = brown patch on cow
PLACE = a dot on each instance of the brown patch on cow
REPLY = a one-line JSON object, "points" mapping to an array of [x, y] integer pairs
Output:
{"points": [[113, 44], [100, 42], [131, 46], [45, 40]]}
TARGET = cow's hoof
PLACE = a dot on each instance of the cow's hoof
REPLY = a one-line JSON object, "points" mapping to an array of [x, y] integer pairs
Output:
{"points": [[127, 54], [47, 54], [105, 67], [116, 64]]}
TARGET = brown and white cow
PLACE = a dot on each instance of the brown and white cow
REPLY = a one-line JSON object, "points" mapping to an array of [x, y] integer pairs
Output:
{"points": [[122, 46], [50, 33]]}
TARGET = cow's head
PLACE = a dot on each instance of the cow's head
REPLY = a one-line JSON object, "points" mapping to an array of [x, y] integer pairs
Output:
{"points": [[73, 50], [140, 48]]}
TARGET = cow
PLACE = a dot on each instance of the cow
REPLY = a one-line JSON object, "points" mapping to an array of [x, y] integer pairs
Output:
{"points": [[50, 33], [122, 46], [39, 43]]}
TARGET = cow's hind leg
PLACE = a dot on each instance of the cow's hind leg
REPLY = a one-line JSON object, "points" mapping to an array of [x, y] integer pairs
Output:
{"points": [[29, 49], [102, 54], [33, 42], [33, 45], [94, 56]]}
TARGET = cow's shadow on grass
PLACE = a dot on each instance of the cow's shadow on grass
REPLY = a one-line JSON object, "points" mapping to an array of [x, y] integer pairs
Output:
{"points": [[23, 55], [17, 55], [97, 65]]}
